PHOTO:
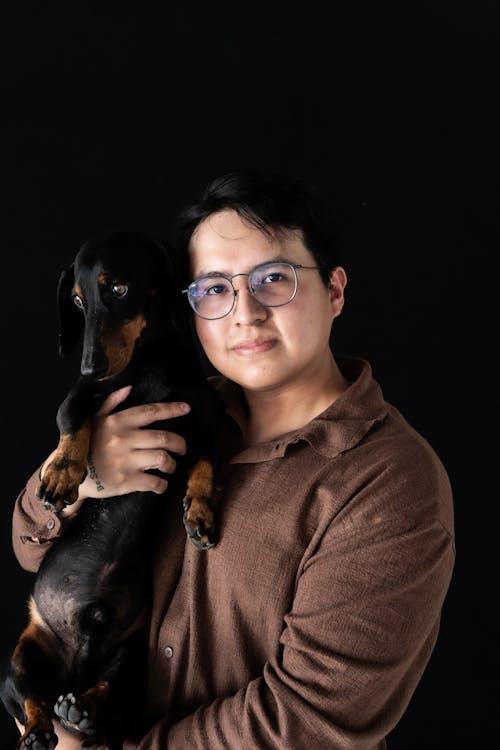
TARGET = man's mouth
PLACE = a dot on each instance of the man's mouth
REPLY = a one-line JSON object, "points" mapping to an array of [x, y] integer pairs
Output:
{"points": [[253, 346]]}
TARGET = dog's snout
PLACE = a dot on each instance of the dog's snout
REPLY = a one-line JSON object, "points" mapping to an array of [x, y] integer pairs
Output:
{"points": [[94, 362]]}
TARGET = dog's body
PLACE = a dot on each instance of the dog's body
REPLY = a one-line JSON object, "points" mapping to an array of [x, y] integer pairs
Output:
{"points": [[82, 654]]}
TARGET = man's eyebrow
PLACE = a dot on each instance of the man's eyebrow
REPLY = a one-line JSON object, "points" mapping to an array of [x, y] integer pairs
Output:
{"points": [[227, 274], [204, 273]]}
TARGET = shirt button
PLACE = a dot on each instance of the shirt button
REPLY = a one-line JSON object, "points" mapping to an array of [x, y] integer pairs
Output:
{"points": [[168, 651], [50, 524]]}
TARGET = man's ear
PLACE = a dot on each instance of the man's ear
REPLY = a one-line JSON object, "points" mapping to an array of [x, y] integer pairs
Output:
{"points": [[336, 286]]}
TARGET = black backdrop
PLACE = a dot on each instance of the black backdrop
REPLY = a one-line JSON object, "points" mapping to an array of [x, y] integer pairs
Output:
{"points": [[115, 115]]}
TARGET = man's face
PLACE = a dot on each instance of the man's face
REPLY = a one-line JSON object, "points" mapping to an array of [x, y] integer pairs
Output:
{"points": [[264, 348]]}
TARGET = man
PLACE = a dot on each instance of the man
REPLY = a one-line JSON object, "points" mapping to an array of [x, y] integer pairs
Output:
{"points": [[310, 623]]}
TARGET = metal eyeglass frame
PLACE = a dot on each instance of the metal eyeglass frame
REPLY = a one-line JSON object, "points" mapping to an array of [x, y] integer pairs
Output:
{"points": [[294, 266]]}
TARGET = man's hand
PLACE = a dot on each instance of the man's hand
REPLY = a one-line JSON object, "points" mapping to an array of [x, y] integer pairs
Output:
{"points": [[122, 448]]}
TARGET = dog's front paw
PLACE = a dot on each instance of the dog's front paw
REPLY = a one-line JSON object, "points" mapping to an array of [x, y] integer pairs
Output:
{"points": [[38, 739], [73, 715], [199, 522], [60, 483], [198, 511]]}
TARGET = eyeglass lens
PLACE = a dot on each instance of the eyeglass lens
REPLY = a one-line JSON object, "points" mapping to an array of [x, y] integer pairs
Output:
{"points": [[272, 284]]}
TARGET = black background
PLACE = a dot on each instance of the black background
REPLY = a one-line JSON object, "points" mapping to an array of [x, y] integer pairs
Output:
{"points": [[116, 115]]}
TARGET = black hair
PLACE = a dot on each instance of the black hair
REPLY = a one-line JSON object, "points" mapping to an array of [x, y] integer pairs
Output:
{"points": [[270, 202]]}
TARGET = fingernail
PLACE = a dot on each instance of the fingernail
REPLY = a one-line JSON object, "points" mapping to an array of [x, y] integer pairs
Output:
{"points": [[184, 407]]}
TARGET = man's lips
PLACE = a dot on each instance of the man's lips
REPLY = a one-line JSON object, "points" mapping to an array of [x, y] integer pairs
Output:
{"points": [[254, 346]]}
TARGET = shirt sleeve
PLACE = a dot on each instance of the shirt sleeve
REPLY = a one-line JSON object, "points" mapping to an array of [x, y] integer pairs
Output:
{"points": [[34, 529], [362, 628]]}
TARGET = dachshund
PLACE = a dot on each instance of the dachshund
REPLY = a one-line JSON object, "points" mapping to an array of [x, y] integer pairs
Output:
{"points": [[82, 655]]}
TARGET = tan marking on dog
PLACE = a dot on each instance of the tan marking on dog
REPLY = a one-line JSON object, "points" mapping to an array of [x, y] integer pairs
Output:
{"points": [[199, 514], [97, 694], [201, 479], [37, 718], [200, 511], [75, 447], [63, 475], [36, 631], [120, 345], [36, 619]]}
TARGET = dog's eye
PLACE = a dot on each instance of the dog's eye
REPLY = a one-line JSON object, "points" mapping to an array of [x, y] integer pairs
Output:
{"points": [[119, 290], [78, 301]]}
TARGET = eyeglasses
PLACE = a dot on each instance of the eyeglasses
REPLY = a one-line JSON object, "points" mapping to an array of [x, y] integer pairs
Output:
{"points": [[272, 284]]}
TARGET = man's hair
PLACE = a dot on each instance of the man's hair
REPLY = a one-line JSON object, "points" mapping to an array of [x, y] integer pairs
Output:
{"points": [[270, 202]]}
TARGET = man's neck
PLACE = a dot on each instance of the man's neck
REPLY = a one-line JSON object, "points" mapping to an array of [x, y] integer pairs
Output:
{"points": [[275, 412]]}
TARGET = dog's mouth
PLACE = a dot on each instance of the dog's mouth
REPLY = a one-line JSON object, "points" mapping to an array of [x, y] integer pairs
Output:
{"points": [[116, 351], [103, 378]]}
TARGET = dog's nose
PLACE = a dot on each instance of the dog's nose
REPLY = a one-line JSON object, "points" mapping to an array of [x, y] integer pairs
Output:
{"points": [[93, 364]]}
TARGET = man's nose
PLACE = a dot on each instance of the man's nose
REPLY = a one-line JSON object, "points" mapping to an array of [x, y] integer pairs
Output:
{"points": [[247, 309]]}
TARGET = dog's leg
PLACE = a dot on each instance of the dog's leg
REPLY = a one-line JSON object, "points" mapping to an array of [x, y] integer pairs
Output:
{"points": [[101, 712], [39, 730], [198, 510], [29, 688], [68, 467], [66, 471]]}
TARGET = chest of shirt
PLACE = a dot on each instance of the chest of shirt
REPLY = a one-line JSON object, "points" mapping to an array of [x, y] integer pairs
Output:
{"points": [[271, 517]]}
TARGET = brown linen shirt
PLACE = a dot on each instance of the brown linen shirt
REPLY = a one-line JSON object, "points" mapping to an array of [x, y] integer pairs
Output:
{"points": [[311, 622]]}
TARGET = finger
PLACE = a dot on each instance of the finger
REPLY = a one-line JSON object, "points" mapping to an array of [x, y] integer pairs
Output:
{"points": [[151, 439], [112, 401], [152, 483], [152, 459], [141, 416]]}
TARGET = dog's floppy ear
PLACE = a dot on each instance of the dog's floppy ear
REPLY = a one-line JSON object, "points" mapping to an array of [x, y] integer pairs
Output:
{"points": [[70, 318]]}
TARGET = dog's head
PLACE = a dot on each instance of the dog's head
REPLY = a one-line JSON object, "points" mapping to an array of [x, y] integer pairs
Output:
{"points": [[121, 291]]}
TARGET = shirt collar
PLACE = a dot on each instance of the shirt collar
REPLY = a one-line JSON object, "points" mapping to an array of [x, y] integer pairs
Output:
{"points": [[336, 430]]}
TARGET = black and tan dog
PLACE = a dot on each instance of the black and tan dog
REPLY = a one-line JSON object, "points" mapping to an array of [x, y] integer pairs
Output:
{"points": [[82, 654]]}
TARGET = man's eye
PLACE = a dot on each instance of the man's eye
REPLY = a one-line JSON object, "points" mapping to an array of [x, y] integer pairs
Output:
{"points": [[119, 290], [78, 301], [215, 289], [272, 277]]}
